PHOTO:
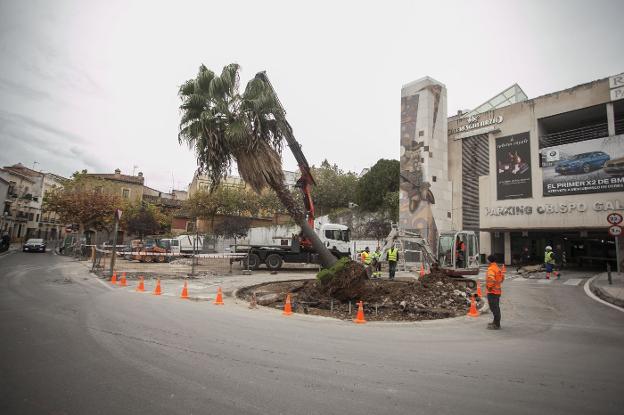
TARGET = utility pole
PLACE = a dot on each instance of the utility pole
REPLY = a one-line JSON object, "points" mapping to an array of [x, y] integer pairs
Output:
{"points": [[114, 250]]}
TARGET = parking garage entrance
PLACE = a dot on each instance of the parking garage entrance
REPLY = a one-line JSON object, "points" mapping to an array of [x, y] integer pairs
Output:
{"points": [[587, 249]]}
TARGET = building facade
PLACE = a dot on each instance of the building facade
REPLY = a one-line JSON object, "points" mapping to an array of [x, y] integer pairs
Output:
{"points": [[545, 171]]}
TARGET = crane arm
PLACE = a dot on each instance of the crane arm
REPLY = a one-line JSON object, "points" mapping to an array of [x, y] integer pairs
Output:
{"points": [[306, 181]]}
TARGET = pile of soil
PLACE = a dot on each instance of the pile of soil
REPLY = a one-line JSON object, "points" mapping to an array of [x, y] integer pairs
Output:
{"points": [[433, 297]]}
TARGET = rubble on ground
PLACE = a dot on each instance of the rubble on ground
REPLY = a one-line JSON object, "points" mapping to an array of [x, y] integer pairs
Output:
{"points": [[432, 297]]}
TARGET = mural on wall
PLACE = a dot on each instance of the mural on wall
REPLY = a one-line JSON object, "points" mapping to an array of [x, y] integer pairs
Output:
{"points": [[416, 198], [591, 166], [513, 167]]}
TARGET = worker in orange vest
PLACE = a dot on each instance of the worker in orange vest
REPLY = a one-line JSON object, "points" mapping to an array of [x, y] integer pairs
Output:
{"points": [[493, 285]]}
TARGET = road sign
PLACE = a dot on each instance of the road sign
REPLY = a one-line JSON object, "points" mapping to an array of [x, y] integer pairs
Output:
{"points": [[614, 218], [615, 230]]}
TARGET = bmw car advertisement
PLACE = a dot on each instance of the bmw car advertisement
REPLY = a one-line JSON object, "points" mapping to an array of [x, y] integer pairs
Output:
{"points": [[591, 166]]}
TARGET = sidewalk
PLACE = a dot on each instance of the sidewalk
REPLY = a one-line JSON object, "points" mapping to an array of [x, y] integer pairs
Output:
{"points": [[612, 293]]}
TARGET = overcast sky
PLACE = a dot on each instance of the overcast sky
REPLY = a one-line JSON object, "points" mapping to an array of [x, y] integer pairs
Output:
{"points": [[92, 84]]}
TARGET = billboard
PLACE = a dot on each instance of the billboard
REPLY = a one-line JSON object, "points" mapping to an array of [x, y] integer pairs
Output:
{"points": [[591, 166], [513, 167]]}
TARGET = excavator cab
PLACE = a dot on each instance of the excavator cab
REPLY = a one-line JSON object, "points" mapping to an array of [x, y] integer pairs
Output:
{"points": [[458, 253]]}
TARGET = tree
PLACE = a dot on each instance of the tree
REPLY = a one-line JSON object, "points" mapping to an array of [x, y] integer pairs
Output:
{"points": [[144, 219], [233, 227], [88, 208], [378, 228], [221, 200], [390, 206], [334, 188], [224, 127], [382, 178]]}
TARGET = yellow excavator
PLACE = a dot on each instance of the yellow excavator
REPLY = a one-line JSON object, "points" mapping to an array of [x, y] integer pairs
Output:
{"points": [[457, 251]]}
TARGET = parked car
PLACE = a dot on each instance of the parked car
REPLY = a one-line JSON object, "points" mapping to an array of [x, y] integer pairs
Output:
{"points": [[583, 163], [34, 245], [615, 167]]}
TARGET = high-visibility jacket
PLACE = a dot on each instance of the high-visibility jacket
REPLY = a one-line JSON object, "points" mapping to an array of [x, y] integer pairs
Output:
{"points": [[393, 254], [366, 257], [375, 255], [549, 258], [494, 279]]}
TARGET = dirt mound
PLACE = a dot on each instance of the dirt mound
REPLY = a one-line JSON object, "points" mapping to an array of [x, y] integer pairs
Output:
{"points": [[348, 283], [433, 297]]}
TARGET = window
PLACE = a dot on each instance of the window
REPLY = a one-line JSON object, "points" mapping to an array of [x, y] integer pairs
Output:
{"points": [[125, 193], [31, 216], [434, 178], [37, 220]]}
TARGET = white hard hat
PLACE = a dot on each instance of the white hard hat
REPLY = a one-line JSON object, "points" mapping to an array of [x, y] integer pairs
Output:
{"points": [[549, 248]]}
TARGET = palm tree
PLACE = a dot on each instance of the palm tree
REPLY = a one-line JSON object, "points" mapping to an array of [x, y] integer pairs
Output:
{"points": [[224, 127]]}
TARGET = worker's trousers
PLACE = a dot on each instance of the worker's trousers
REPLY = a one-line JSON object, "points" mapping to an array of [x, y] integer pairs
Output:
{"points": [[494, 303], [392, 269]]}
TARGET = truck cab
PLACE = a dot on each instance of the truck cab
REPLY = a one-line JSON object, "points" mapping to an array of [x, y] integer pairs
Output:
{"points": [[336, 237]]}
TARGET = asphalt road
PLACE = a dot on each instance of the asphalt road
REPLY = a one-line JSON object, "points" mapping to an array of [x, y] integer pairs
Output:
{"points": [[72, 345]]}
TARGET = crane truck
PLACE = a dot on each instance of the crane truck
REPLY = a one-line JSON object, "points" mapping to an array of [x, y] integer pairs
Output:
{"points": [[297, 249]]}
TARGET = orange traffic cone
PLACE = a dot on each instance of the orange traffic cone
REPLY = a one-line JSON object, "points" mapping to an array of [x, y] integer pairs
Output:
{"points": [[422, 270], [359, 319], [479, 289], [114, 278], [157, 290], [287, 307], [141, 286], [184, 295], [122, 281], [219, 300], [473, 308]]}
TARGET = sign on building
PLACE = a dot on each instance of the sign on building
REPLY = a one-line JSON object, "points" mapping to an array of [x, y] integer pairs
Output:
{"points": [[513, 167], [590, 166]]}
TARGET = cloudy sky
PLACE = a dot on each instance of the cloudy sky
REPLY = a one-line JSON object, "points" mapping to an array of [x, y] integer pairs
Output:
{"points": [[92, 84]]}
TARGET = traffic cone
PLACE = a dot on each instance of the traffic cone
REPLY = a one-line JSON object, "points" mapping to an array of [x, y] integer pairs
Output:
{"points": [[141, 286], [359, 319], [219, 300], [114, 278], [479, 294], [122, 281], [287, 308], [473, 308], [422, 270], [184, 295], [157, 290]]}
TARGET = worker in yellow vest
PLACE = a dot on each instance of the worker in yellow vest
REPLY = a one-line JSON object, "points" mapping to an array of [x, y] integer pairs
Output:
{"points": [[393, 257], [376, 263], [367, 259]]}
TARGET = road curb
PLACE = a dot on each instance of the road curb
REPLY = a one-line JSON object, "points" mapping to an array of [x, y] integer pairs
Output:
{"points": [[588, 290]]}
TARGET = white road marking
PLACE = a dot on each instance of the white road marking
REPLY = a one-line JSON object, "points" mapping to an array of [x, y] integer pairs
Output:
{"points": [[593, 296], [544, 281], [573, 281], [104, 284]]}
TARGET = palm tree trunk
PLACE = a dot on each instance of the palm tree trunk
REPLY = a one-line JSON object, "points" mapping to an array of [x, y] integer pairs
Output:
{"points": [[325, 256]]}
